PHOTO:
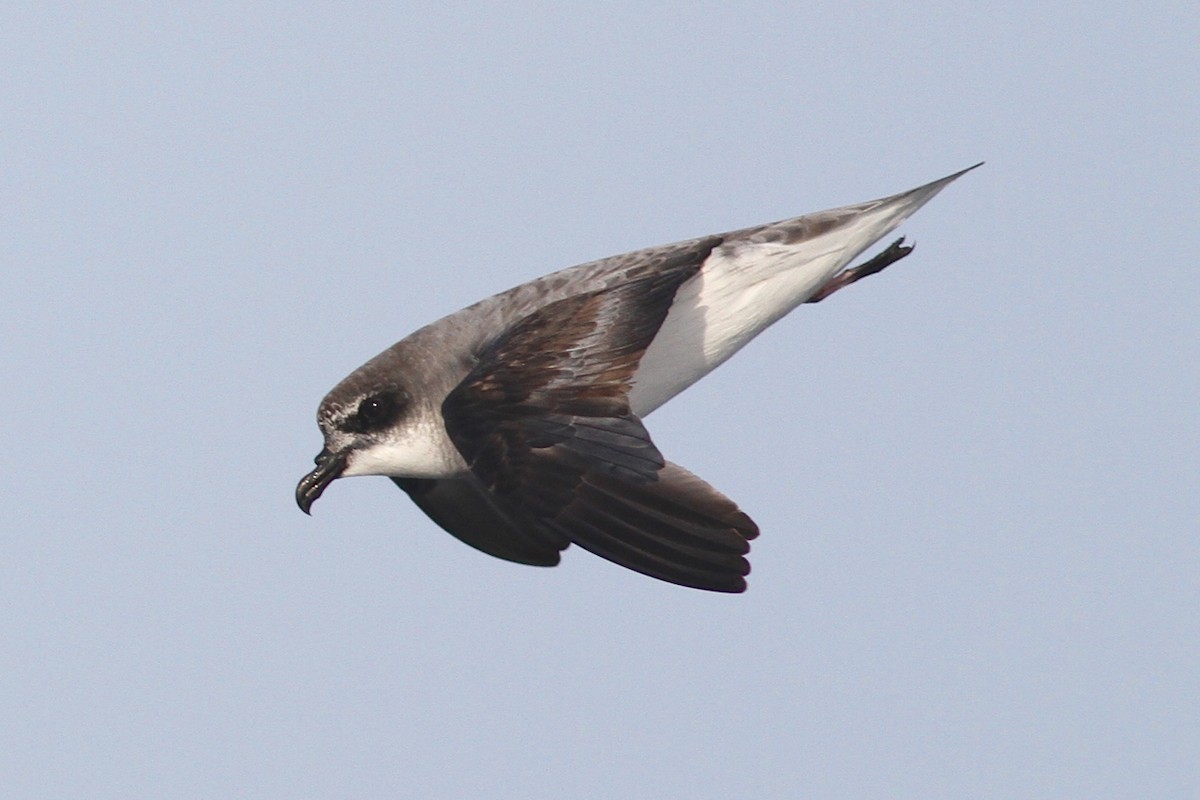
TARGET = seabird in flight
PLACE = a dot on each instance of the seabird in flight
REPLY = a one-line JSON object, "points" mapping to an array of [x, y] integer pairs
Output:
{"points": [[516, 423]]}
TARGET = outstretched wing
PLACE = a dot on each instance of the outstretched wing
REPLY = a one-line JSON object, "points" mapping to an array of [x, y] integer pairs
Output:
{"points": [[478, 517], [544, 423]]}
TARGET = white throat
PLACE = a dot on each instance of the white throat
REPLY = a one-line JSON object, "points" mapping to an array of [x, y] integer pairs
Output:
{"points": [[419, 448]]}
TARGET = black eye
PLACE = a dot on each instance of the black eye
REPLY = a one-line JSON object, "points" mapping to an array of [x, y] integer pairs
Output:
{"points": [[375, 412]]}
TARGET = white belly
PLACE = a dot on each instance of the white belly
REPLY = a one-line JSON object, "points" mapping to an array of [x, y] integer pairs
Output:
{"points": [[753, 280]]}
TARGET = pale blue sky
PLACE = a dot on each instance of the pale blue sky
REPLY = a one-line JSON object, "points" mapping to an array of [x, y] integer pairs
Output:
{"points": [[976, 475]]}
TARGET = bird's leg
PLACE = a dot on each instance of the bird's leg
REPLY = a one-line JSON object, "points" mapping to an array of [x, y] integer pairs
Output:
{"points": [[894, 252]]}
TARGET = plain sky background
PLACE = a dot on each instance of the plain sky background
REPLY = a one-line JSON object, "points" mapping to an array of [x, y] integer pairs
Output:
{"points": [[977, 475]]}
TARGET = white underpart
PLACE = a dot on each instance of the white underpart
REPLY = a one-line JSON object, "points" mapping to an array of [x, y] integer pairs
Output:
{"points": [[746, 286], [419, 450]]}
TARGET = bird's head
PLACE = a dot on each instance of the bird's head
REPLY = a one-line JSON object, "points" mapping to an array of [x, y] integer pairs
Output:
{"points": [[374, 424]]}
